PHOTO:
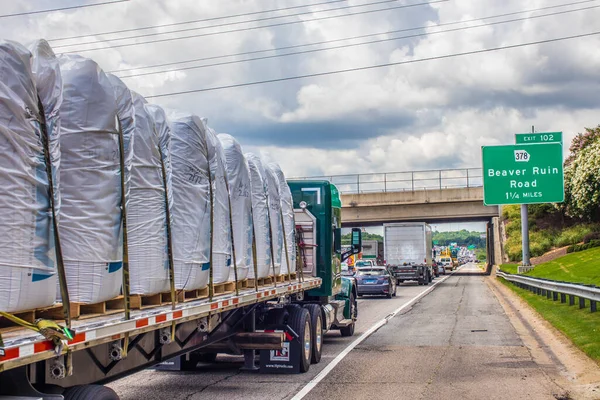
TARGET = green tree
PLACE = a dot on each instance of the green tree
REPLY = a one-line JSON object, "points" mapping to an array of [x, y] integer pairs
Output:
{"points": [[365, 236], [462, 238], [582, 182], [582, 189]]}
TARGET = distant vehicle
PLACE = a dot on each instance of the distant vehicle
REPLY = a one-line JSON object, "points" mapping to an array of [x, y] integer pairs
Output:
{"points": [[441, 269], [376, 280], [364, 263], [434, 267], [408, 251], [447, 263], [373, 250]]}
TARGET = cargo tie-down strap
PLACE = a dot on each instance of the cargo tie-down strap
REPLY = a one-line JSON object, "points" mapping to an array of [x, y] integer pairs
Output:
{"points": [[48, 329], [287, 252], [169, 237], [126, 289], [237, 290]]}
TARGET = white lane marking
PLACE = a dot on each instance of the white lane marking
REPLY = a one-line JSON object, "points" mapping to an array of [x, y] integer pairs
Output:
{"points": [[321, 375]]}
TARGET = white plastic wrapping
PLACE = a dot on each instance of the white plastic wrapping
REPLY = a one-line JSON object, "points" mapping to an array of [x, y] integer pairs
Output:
{"points": [[90, 177], [274, 200], [146, 205], [289, 224], [260, 217], [153, 230], [238, 176], [27, 267], [191, 199], [221, 251]]}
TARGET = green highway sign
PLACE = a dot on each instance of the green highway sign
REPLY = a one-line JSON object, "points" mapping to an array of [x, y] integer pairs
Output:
{"points": [[544, 137], [523, 174]]}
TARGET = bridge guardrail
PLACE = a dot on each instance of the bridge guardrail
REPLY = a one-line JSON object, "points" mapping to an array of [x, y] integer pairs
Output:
{"points": [[405, 181], [552, 289]]}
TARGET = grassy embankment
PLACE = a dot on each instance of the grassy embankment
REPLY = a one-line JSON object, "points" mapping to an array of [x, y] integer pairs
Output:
{"points": [[547, 230], [579, 325]]}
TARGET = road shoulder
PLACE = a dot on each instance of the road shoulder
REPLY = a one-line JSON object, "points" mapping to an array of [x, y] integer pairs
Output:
{"points": [[580, 375]]}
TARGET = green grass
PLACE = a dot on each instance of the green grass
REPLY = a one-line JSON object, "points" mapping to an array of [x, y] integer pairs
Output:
{"points": [[580, 267], [509, 268], [579, 325]]}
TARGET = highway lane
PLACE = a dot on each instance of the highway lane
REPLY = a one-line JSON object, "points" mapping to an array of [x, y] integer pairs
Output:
{"points": [[223, 380], [456, 343]]}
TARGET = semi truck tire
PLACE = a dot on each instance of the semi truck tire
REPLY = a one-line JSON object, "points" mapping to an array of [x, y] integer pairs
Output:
{"points": [[348, 331], [299, 321], [316, 319], [90, 392]]}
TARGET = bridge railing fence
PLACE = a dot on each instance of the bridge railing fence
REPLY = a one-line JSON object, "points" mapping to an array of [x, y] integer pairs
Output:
{"points": [[405, 181]]}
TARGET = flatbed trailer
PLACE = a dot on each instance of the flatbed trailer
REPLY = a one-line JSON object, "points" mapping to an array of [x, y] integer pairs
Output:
{"points": [[285, 321]]}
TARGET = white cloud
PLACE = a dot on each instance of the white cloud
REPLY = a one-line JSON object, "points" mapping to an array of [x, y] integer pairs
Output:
{"points": [[425, 115]]}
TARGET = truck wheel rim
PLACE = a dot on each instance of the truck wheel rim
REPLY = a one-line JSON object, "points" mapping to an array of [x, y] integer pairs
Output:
{"points": [[319, 334], [306, 341]]}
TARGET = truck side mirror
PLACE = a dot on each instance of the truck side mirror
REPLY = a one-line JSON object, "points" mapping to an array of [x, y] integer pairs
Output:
{"points": [[337, 240], [356, 240]]}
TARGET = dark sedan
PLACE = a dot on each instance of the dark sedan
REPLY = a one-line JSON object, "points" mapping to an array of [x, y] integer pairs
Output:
{"points": [[375, 280]]}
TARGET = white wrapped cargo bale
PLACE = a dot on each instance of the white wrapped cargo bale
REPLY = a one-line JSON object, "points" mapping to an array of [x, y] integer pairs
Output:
{"points": [[146, 216], [147, 210], [260, 217], [238, 176], [289, 224], [90, 176], [221, 229], [27, 270], [275, 218], [191, 199]]}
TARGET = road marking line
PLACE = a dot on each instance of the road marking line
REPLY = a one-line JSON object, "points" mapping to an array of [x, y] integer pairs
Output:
{"points": [[321, 375]]}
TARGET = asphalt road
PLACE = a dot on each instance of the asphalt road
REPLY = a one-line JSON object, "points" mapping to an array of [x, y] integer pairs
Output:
{"points": [[456, 342]]}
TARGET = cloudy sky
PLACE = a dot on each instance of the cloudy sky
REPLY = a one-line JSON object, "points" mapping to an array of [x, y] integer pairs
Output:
{"points": [[421, 115]]}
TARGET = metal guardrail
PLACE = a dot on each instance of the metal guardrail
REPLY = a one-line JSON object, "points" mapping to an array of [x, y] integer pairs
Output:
{"points": [[555, 289], [405, 181]]}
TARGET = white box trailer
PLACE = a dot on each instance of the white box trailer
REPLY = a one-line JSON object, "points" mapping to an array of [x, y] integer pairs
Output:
{"points": [[408, 251]]}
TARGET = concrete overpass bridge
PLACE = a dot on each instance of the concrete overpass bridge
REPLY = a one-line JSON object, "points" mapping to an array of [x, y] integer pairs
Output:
{"points": [[432, 196]]}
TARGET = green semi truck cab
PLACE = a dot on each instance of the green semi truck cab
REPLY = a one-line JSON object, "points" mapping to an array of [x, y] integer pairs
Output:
{"points": [[318, 209]]}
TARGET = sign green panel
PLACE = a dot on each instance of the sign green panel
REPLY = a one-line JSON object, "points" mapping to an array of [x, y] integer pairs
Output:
{"points": [[523, 174], [543, 137]]}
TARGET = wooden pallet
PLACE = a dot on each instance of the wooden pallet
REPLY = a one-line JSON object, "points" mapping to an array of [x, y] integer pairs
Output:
{"points": [[183, 296], [140, 301], [243, 284], [223, 288], [261, 281], [83, 311]]}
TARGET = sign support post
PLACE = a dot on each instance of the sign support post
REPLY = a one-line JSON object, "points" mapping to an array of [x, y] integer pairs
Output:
{"points": [[525, 230]]}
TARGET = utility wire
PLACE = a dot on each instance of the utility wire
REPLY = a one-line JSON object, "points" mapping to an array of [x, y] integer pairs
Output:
{"points": [[363, 43], [197, 20], [62, 8], [347, 38], [341, 71], [230, 23], [250, 28]]}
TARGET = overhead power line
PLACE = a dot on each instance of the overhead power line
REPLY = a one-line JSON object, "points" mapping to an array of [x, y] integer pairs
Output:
{"points": [[366, 43], [197, 20], [351, 38], [230, 23], [62, 8], [249, 28], [369, 67]]}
